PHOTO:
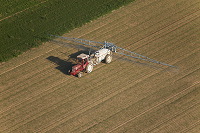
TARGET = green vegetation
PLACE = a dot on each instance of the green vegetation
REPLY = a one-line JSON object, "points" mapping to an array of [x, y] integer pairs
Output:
{"points": [[30, 28], [9, 7]]}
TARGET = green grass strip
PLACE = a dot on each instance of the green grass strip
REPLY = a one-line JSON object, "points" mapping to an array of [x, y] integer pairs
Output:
{"points": [[30, 28]]}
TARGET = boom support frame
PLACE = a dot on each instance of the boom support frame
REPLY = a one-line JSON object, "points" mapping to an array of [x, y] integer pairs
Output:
{"points": [[114, 49]]}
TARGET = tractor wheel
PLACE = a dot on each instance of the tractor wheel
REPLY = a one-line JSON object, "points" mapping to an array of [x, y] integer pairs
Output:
{"points": [[89, 68], [108, 59], [79, 75]]}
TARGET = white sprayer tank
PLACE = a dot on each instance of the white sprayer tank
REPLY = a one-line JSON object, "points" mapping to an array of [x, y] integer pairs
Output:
{"points": [[101, 54]]}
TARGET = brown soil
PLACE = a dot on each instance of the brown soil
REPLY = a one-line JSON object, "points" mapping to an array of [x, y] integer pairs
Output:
{"points": [[125, 96]]}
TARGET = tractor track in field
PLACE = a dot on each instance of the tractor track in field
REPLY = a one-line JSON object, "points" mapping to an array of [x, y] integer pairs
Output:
{"points": [[41, 55], [57, 48], [162, 29], [143, 22], [135, 33], [180, 38], [192, 126], [171, 117], [99, 27], [179, 114], [177, 79], [89, 104], [27, 70], [157, 105], [97, 122], [60, 92], [176, 115], [58, 121]]}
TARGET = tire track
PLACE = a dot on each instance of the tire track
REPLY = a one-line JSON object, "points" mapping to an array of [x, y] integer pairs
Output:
{"points": [[192, 126], [137, 42], [58, 121], [100, 26], [163, 102], [61, 100], [30, 72], [163, 81], [174, 116], [42, 54], [181, 114], [38, 56]]}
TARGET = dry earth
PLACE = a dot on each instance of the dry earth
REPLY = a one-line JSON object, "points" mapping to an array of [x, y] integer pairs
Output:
{"points": [[125, 96]]}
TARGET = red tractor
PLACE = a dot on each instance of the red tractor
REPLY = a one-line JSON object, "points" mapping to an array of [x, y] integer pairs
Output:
{"points": [[85, 62]]}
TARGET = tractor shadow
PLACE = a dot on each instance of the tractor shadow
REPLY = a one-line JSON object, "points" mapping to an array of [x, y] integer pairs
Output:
{"points": [[65, 65]]}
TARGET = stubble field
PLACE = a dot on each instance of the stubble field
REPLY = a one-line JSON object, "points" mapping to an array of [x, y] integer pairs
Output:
{"points": [[125, 96]]}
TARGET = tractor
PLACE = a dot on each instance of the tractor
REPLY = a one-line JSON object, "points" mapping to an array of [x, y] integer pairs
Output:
{"points": [[86, 62]]}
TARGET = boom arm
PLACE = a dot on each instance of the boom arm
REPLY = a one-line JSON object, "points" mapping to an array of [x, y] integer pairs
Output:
{"points": [[113, 48], [140, 57]]}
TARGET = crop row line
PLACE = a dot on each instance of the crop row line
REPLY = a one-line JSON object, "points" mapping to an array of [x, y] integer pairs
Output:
{"points": [[60, 120], [192, 126], [82, 35], [175, 115], [22, 11], [165, 80], [88, 31], [130, 29], [34, 76], [138, 42], [163, 102]]}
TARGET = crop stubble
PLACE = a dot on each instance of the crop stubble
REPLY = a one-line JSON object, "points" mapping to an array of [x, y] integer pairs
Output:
{"points": [[47, 100]]}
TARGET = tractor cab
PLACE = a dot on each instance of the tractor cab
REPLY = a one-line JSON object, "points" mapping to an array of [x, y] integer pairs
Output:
{"points": [[82, 59], [82, 62]]}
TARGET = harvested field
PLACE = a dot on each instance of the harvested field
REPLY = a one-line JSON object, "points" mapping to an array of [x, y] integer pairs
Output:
{"points": [[125, 96]]}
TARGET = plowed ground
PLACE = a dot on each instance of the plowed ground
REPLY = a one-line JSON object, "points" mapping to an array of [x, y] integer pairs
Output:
{"points": [[125, 96]]}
